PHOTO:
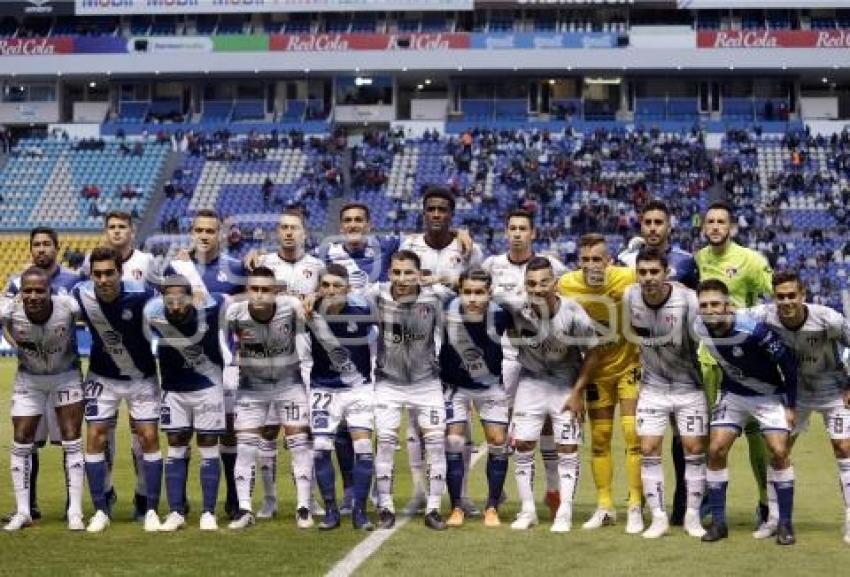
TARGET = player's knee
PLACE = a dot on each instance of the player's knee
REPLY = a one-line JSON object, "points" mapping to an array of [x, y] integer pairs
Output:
{"points": [[841, 448], [455, 443], [207, 441], [497, 437], [148, 438], [601, 432], [693, 445], [323, 443], [567, 449], [362, 446], [525, 446]]}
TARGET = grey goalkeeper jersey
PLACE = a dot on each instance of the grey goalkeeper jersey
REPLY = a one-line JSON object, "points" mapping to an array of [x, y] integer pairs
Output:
{"points": [[551, 349], [665, 336], [271, 355], [409, 332], [45, 350], [817, 344]]}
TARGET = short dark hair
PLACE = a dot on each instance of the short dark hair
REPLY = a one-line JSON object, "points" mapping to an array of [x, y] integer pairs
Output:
{"points": [[175, 280], [355, 205], [335, 269], [45, 230], [591, 239], [713, 284], [475, 274], [206, 213], [104, 253], [261, 271], [297, 212], [539, 263], [649, 253], [35, 271], [405, 254], [785, 276], [434, 191], [120, 215], [719, 205], [520, 213], [658, 205]]}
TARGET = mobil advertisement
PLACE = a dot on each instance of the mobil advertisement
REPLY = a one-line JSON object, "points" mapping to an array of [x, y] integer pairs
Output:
{"points": [[774, 39]]}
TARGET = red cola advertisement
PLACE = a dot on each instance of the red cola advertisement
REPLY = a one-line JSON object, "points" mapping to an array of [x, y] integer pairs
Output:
{"points": [[36, 46], [774, 39], [345, 42]]}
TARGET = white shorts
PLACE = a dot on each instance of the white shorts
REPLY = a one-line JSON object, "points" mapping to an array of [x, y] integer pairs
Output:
{"points": [[103, 396], [230, 378], [537, 399], [836, 418], [32, 397], [492, 405], [256, 409], [733, 411], [424, 400], [654, 408], [201, 411], [329, 407]]}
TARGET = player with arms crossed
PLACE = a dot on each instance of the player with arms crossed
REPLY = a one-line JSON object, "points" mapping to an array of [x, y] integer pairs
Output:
{"points": [[747, 275], [759, 381], [44, 250], [407, 375], [550, 333], [43, 329], [190, 373], [341, 390], [272, 356], [121, 367], [598, 287], [659, 316], [508, 273], [471, 361], [816, 334]]}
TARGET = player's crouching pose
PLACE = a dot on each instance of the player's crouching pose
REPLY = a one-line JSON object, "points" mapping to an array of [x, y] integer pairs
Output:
{"points": [[816, 334], [121, 367], [471, 362], [550, 334], [407, 375], [341, 390], [272, 352], [759, 381], [190, 373], [42, 327], [659, 316]]}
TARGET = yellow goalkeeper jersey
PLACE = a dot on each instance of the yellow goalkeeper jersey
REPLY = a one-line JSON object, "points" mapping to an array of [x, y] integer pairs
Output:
{"points": [[603, 305]]}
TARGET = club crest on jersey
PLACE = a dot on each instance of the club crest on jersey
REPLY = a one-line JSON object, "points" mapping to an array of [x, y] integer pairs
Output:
{"points": [[221, 276], [731, 271], [351, 327], [671, 272], [127, 315], [308, 273], [422, 312], [137, 274]]}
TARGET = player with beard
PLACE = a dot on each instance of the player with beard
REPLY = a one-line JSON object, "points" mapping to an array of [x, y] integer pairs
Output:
{"points": [[748, 276]]}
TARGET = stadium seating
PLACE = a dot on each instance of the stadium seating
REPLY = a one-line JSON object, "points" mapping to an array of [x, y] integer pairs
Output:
{"points": [[43, 180]]}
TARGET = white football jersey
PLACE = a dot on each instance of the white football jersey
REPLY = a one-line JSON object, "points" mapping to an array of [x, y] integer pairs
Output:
{"points": [[138, 267], [270, 355], [299, 278], [551, 349], [817, 345], [668, 345], [448, 262], [45, 349], [509, 277]]}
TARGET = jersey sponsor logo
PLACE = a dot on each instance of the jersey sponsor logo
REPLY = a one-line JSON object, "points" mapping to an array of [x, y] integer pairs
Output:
{"points": [[422, 311], [137, 274], [731, 271], [308, 273], [112, 337], [127, 315]]}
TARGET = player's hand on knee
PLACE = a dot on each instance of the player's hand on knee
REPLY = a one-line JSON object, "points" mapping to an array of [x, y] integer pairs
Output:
{"points": [[575, 405]]}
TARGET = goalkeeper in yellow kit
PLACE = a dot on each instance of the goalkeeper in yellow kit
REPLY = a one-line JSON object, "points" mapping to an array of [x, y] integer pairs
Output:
{"points": [[749, 277], [598, 286]]}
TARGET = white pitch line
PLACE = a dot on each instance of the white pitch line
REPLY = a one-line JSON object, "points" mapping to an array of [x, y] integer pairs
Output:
{"points": [[366, 548]]}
